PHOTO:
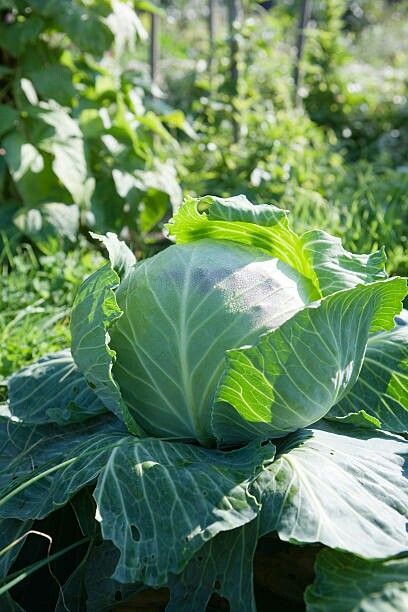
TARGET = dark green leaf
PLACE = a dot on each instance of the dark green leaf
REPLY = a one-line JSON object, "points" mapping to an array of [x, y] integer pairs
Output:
{"points": [[53, 82], [52, 390], [345, 583], [8, 118], [382, 387], [84, 27], [94, 311], [199, 492], [43, 466], [224, 566], [16, 36]]}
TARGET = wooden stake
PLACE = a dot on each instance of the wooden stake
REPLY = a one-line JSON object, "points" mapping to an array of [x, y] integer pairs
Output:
{"points": [[304, 18], [234, 14], [211, 35], [154, 47]]}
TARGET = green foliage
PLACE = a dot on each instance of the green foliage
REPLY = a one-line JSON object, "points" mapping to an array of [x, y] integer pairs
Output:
{"points": [[363, 102], [350, 583], [74, 127], [35, 296], [162, 386], [278, 342], [339, 162], [326, 52]]}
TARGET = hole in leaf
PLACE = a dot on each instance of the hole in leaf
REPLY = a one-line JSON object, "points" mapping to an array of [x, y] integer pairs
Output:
{"points": [[217, 585], [135, 533], [92, 385]]}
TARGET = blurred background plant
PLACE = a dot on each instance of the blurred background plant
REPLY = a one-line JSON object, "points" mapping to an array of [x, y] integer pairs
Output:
{"points": [[79, 146]]}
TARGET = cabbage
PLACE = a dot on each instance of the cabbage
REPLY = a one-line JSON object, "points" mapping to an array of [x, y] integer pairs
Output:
{"points": [[182, 309], [245, 381]]}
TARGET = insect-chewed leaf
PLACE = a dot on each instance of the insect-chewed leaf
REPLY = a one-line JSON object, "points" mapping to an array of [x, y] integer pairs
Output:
{"points": [[160, 502], [224, 566]]}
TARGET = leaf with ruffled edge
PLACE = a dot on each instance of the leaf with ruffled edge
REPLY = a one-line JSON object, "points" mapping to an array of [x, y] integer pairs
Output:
{"points": [[160, 502], [341, 486], [316, 255], [382, 387], [296, 373], [52, 390], [350, 584], [95, 309]]}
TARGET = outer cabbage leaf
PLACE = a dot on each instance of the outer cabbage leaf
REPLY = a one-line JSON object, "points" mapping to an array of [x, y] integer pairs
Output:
{"points": [[52, 390], [8, 605], [338, 269], [360, 419], [341, 486], [43, 466], [120, 256], [160, 502], [382, 387], [94, 311], [345, 583], [316, 255], [91, 586], [295, 374], [12, 538], [224, 566], [101, 589], [181, 310]]}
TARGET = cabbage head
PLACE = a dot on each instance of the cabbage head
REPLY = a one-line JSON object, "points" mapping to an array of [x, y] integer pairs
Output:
{"points": [[240, 329]]}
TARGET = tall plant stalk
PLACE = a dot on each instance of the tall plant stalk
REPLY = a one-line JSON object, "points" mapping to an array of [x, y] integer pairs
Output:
{"points": [[304, 18]]}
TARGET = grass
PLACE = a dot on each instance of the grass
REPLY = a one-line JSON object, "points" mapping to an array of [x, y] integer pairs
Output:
{"points": [[36, 294]]}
